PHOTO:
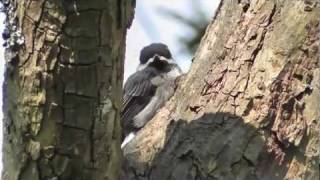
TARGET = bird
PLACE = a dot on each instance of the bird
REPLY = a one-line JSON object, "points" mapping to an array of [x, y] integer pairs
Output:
{"points": [[148, 89]]}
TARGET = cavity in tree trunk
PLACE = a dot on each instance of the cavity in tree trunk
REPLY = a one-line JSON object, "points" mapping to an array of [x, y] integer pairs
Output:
{"points": [[62, 91], [248, 108]]}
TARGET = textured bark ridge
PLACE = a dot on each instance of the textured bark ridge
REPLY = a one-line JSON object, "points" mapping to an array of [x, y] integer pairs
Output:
{"points": [[248, 108], [63, 88]]}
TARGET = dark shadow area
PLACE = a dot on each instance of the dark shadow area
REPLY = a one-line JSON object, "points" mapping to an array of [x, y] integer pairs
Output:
{"points": [[214, 146]]}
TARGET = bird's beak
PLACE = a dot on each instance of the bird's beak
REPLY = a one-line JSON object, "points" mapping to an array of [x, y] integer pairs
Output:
{"points": [[156, 58], [161, 59]]}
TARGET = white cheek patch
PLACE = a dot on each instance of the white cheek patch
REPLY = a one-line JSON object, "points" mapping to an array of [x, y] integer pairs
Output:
{"points": [[128, 139], [175, 72], [143, 66], [171, 61], [164, 59], [151, 60]]}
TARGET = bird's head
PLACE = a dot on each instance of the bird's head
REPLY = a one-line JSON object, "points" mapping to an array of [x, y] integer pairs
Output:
{"points": [[157, 55]]}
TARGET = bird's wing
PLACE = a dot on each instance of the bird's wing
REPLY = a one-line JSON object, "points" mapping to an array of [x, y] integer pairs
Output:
{"points": [[138, 91]]}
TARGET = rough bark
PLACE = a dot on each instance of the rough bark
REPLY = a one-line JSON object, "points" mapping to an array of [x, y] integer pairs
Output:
{"points": [[62, 90], [248, 108]]}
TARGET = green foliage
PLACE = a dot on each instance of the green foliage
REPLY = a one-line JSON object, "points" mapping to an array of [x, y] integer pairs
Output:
{"points": [[197, 24]]}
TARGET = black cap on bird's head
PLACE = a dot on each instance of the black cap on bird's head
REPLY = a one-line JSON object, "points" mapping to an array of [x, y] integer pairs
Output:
{"points": [[154, 49]]}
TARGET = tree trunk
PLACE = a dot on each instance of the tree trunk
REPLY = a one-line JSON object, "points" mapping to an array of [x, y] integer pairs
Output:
{"points": [[248, 108], [62, 88]]}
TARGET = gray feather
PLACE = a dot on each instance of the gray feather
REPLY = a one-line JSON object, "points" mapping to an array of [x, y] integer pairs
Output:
{"points": [[146, 91], [138, 91]]}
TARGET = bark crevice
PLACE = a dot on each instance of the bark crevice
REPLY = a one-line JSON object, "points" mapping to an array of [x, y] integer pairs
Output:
{"points": [[245, 108]]}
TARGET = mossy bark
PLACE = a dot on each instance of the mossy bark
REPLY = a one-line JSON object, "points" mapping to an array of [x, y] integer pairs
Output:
{"points": [[248, 108], [62, 90]]}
